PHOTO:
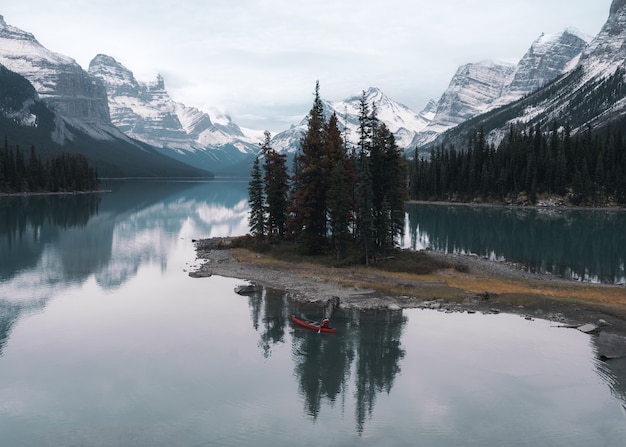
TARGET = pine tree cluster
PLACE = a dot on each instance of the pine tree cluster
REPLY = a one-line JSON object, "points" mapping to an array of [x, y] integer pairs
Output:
{"points": [[62, 173], [337, 196], [586, 169]]}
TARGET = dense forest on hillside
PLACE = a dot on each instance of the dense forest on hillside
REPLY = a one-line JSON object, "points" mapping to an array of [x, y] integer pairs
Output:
{"points": [[586, 169], [348, 201], [61, 173]]}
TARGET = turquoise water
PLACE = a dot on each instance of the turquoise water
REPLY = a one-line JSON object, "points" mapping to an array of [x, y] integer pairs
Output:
{"points": [[586, 245], [106, 341]]}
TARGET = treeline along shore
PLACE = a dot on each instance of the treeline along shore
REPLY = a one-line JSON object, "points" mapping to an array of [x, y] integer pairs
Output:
{"points": [[58, 173], [587, 169]]}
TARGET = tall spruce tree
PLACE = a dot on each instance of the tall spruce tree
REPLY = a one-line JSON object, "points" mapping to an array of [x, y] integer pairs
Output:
{"points": [[339, 187], [309, 193], [394, 186], [365, 202], [256, 200], [276, 188]]}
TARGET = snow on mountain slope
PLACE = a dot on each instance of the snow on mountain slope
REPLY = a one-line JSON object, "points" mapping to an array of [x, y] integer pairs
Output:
{"points": [[602, 59], [401, 121], [145, 111], [607, 51], [472, 91], [58, 79], [592, 94], [549, 56], [478, 88]]}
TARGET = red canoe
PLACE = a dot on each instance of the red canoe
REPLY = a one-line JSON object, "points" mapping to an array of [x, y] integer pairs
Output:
{"points": [[310, 324]]}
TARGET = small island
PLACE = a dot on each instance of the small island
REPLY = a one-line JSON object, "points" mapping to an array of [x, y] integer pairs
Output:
{"points": [[423, 279], [330, 230]]}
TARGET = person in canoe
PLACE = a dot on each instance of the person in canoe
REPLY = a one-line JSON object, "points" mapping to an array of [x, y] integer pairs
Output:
{"points": [[325, 323]]}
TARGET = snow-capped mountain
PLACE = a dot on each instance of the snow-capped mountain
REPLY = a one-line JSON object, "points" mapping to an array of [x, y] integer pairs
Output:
{"points": [[49, 101], [17, 95], [59, 80], [145, 111], [607, 52], [549, 56], [592, 93], [402, 121], [475, 88], [478, 88], [472, 90]]}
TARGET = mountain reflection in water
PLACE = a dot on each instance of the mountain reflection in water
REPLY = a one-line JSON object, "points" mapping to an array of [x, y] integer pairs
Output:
{"points": [[104, 336]]}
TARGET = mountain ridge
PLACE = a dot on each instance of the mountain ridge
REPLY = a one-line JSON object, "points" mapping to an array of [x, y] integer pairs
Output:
{"points": [[592, 95], [114, 105], [66, 110], [549, 56], [147, 112]]}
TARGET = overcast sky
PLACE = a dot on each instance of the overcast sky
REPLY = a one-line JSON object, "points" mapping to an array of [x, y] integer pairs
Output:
{"points": [[258, 60]]}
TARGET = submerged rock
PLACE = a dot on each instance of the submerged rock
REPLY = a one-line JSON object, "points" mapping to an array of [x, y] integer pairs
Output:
{"points": [[200, 274], [245, 289]]}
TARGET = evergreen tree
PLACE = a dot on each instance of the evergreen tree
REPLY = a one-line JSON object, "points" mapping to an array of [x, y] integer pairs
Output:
{"points": [[339, 187], [256, 200], [395, 186], [309, 195], [64, 172], [276, 188], [365, 201]]}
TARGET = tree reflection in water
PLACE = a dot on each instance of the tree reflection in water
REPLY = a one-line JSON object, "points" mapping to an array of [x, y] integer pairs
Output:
{"points": [[367, 347], [268, 317], [577, 244]]}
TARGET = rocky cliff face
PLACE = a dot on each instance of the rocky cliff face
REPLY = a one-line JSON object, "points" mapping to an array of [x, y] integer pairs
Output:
{"points": [[145, 111], [473, 89], [141, 110], [548, 57], [59, 80], [607, 51], [16, 97], [478, 88], [592, 93]]}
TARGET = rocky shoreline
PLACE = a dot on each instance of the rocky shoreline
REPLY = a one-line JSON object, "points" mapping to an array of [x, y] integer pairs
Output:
{"points": [[218, 259]]}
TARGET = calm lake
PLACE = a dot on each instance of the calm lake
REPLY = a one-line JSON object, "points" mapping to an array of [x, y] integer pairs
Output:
{"points": [[106, 341]]}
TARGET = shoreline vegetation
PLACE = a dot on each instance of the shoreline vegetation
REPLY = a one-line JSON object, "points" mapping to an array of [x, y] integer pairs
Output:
{"points": [[548, 203], [62, 172], [52, 193], [416, 279]]}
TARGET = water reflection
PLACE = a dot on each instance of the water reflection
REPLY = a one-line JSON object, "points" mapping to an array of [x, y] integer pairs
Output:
{"points": [[269, 313], [588, 245], [366, 349], [138, 222], [611, 363], [52, 243], [28, 224]]}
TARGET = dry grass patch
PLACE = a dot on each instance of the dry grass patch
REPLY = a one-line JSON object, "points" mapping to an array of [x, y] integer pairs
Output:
{"points": [[416, 274]]}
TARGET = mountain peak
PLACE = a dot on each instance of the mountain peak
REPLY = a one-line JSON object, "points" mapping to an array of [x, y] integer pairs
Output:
{"points": [[103, 59], [606, 52], [616, 6], [60, 82], [11, 32], [373, 91]]}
